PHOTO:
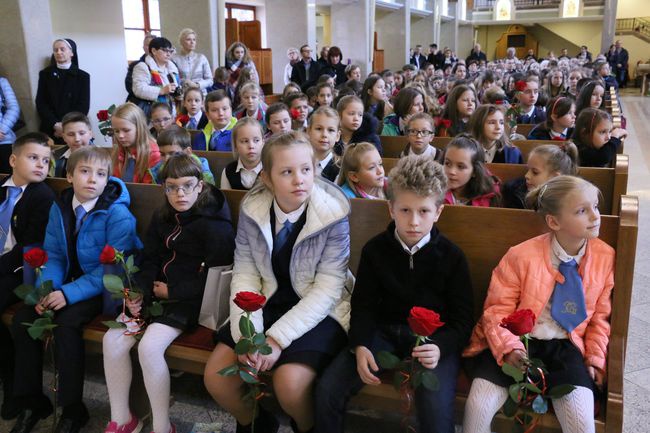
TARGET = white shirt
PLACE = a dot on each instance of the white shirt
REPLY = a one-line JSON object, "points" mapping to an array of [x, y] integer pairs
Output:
{"points": [[248, 177], [554, 134], [490, 153], [88, 206], [323, 163], [415, 248], [281, 217], [429, 152], [546, 327], [10, 242], [197, 118]]}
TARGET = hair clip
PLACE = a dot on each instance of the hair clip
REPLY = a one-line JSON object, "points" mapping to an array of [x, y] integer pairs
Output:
{"points": [[555, 103], [591, 128], [541, 194]]}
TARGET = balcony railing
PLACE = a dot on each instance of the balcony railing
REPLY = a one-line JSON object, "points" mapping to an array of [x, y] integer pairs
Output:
{"points": [[532, 4], [634, 25]]}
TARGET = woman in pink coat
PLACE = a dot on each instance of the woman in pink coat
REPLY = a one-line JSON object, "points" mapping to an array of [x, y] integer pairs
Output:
{"points": [[565, 277]]}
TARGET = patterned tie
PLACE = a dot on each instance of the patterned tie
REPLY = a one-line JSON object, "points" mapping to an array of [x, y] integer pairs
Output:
{"points": [[79, 213], [568, 302], [282, 236], [129, 170], [6, 211], [192, 123]]}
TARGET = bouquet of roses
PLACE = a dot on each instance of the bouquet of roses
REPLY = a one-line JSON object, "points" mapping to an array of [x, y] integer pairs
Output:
{"points": [[104, 117], [528, 396], [251, 342], [124, 288], [514, 110]]}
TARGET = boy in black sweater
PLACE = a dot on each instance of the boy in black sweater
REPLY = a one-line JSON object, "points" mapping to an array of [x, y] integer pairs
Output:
{"points": [[24, 204], [410, 264]]}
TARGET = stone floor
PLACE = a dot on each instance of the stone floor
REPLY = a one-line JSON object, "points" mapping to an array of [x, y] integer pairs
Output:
{"points": [[193, 405]]}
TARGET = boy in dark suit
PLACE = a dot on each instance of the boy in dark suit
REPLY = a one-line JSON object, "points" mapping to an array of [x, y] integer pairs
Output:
{"points": [[24, 204]]}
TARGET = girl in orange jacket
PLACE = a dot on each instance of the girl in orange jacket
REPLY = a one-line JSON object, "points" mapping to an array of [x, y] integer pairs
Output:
{"points": [[565, 277]]}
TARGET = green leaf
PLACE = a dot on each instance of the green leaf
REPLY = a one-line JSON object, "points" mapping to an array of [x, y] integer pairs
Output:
{"points": [[231, 370], [247, 377], [560, 390], [430, 381], [46, 287], [156, 309], [540, 405], [265, 349], [23, 290], [133, 295], [416, 379], [387, 360], [243, 346], [111, 109], [112, 324], [36, 332], [536, 363], [130, 264], [113, 283], [32, 298], [510, 408], [245, 326], [532, 387], [259, 339], [117, 296], [512, 371], [514, 392], [135, 269], [49, 314], [42, 321]]}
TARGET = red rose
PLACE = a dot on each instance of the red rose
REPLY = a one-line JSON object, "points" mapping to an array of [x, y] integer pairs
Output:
{"points": [[183, 119], [520, 86], [557, 138], [295, 114], [521, 322], [36, 257], [107, 256], [249, 301], [499, 102], [102, 115], [424, 322]]}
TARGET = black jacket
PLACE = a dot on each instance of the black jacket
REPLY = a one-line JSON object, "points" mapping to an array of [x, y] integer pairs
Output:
{"points": [[299, 74], [61, 91], [476, 56], [419, 62], [436, 60], [366, 132], [180, 252], [390, 282], [589, 156], [513, 193], [28, 222], [337, 71]]}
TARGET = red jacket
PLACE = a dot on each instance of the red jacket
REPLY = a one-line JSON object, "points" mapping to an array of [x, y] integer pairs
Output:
{"points": [[154, 159], [525, 278]]}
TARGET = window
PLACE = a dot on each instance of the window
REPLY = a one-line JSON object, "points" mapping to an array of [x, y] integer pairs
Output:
{"points": [[140, 17], [240, 12]]}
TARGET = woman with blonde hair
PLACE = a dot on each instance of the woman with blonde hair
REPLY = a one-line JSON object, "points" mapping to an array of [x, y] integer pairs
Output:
{"points": [[237, 58], [193, 68]]}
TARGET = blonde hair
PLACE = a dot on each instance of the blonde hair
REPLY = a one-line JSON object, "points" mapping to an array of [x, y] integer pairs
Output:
{"points": [[89, 154], [422, 176], [250, 86], [241, 123], [183, 34], [547, 199], [351, 159], [561, 157], [291, 138], [134, 115], [327, 112]]}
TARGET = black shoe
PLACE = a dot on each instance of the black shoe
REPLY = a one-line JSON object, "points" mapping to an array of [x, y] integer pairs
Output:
{"points": [[71, 425], [294, 426], [27, 419], [265, 422]]}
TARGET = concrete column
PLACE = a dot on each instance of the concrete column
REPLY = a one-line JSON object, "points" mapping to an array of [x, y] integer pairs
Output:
{"points": [[394, 35], [609, 25], [288, 25], [436, 22], [25, 48], [455, 29], [351, 31]]}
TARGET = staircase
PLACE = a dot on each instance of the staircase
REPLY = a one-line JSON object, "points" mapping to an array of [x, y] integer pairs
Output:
{"points": [[639, 27]]}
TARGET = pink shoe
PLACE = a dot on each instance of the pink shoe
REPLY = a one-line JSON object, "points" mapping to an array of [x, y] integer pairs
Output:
{"points": [[133, 426], [172, 429]]}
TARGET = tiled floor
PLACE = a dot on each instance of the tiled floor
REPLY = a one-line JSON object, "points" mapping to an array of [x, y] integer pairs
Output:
{"points": [[192, 404]]}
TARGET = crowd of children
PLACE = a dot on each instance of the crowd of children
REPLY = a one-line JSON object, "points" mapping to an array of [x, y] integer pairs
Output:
{"points": [[301, 160]]}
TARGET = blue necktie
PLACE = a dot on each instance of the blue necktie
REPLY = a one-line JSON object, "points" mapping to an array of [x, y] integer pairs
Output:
{"points": [[79, 213], [568, 302], [282, 236], [192, 123], [525, 118], [6, 211], [129, 170], [214, 140]]}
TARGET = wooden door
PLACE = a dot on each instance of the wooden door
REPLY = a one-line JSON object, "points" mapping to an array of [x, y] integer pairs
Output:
{"points": [[250, 34], [232, 31]]}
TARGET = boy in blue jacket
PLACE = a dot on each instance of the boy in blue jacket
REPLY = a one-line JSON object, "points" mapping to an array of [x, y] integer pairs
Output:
{"points": [[88, 216]]}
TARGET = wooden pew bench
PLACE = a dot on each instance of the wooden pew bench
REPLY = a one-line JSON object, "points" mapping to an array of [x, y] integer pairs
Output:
{"points": [[483, 249]]}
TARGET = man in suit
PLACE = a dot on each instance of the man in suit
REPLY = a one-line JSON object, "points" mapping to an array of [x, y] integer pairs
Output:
{"points": [[621, 58], [306, 71], [418, 59], [476, 54], [584, 54], [435, 57]]}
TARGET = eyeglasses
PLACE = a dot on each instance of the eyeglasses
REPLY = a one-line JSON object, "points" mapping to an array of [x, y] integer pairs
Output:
{"points": [[169, 50], [416, 133], [175, 189], [162, 120]]}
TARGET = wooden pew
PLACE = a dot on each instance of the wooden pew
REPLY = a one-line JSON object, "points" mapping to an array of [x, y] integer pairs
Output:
{"points": [[217, 162], [612, 182], [525, 128], [483, 249], [194, 133]]}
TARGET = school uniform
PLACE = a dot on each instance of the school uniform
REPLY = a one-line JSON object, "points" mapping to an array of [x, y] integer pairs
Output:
{"points": [[259, 115], [513, 193], [198, 121], [429, 152], [212, 139], [589, 156], [366, 133], [127, 171], [489, 199], [236, 176], [504, 154], [542, 132], [327, 168], [392, 278], [75, 236], [534, 116], [25, 226]]}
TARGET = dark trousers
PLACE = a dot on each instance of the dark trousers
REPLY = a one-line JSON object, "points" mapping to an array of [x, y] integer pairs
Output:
{"points": [[340, 381], [7, 298], [69, 355]]}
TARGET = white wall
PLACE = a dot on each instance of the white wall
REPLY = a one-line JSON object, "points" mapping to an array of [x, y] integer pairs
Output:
{"points": [[98, 29], [392, 31], [633, 9]]}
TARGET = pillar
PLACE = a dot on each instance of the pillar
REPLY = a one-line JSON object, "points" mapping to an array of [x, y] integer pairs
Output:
{"points": [[355, 45], [393, 29], [609, 25]]}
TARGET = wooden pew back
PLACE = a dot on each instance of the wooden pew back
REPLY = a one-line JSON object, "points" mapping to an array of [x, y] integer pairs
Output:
{"points": [[217, 161]]}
